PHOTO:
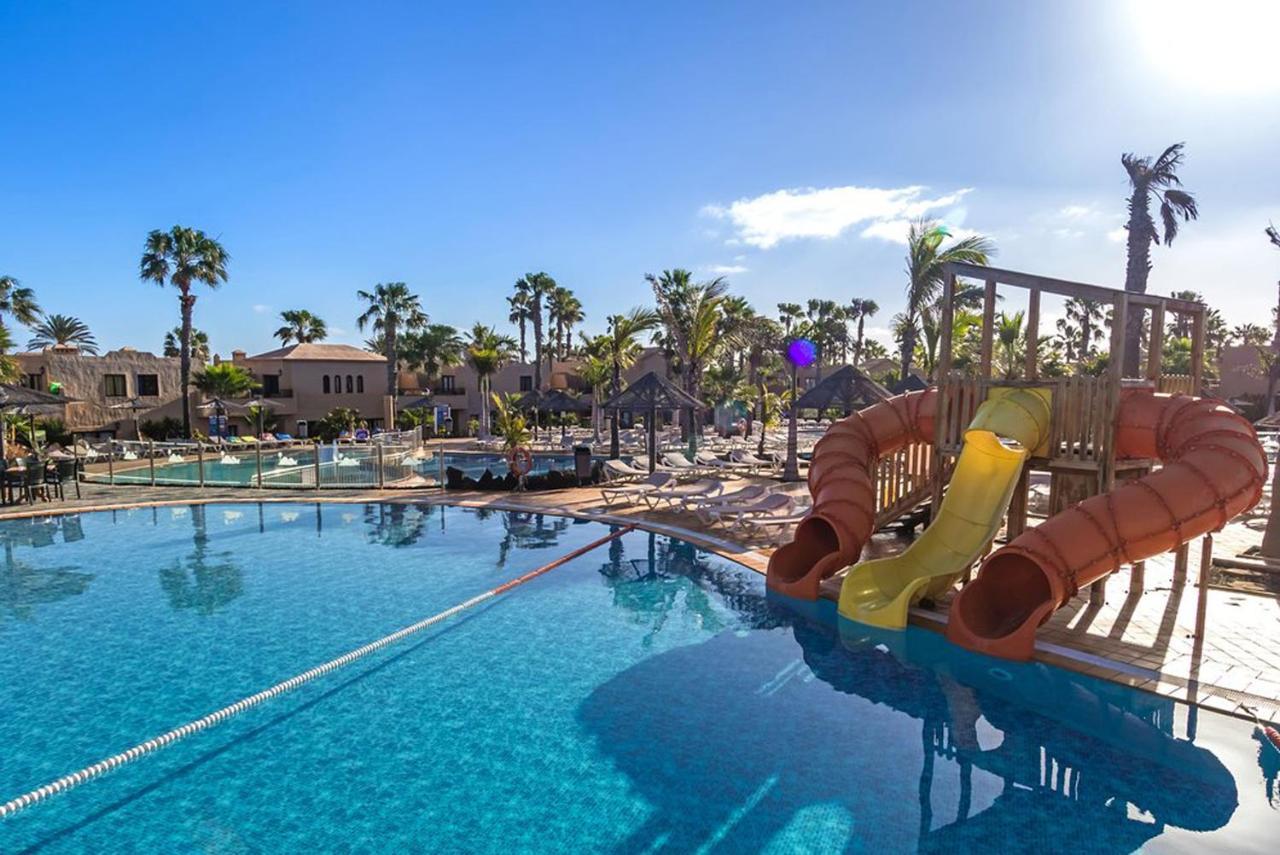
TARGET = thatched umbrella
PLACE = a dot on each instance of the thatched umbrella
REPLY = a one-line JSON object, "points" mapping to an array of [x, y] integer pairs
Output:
{"points": [[551, 401], [31, 403], [849, 389], [648, 395], [134, 406]]}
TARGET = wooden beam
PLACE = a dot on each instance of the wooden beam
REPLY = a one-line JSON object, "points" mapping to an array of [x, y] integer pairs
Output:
{"points": [[947, 323], [1065, 287], [1197, 352], [1032, 367], [988, 331], [1155, 345]]}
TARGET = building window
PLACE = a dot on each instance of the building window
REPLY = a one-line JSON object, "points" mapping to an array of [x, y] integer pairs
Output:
{"points": [[114, 385], [34, 381], [270, 384], [446, 382], [148, 385], [360, 383], [350, 385], [526, 383], [337, 384], [325, 380]]}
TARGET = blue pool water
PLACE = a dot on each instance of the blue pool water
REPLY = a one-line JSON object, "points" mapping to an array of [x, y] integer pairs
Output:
{"points": [[644, 697]]}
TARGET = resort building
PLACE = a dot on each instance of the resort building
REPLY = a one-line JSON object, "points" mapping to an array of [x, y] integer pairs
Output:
{"points": [[100, 385], [306, 381], [1241, 378]]}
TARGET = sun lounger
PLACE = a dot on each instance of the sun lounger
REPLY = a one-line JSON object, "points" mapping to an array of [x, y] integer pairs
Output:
{"points": [[746, 458], [616, 470], [774, 527], [772, 504], [706, 458], [628, 493], [676, 462], [701, 506], [679, 494]]}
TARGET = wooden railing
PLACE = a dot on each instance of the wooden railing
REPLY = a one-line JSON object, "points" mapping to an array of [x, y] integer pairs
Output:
{"points": [[1177, 384], [902, 481], [1081, 425]]}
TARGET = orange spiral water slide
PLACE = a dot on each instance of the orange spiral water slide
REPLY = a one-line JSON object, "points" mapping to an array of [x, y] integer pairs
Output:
{"points": [[842, 484], [1214, 468]]}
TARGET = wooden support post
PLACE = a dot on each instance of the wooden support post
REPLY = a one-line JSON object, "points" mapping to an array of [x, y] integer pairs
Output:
{"points": [[1180, 565], [1202, 595], [200, 461], [151, 459], [1155, 345], [1137, 577], [941, 380], [111, 466], [257, 449], [988, 331], [1032, 367], [1017, 519], [315, 463], [382, 478], [1197, 352], [1111, 406]]}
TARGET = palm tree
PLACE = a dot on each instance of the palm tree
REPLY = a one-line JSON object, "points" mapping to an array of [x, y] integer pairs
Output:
{"points": [[64, 330], [1087, 317], [925, 262], [392, 309], [520, 305], [564, 312], [596, 371], [487, 352], [182, 257], [690, 313], [1150, 178], [221, 382], [432, 348], [537, 286], [199, 345], [823, 318], [788, 314], [621, 345], [301, 326], [1009, 344], [9, 370], [861, 308], [19, 301]]}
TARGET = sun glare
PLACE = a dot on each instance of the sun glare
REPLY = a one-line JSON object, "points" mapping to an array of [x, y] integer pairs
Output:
{"points": [[1226, 47]]}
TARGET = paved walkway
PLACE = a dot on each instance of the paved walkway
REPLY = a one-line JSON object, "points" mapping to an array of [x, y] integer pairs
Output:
{"points": [[1144, 639]]}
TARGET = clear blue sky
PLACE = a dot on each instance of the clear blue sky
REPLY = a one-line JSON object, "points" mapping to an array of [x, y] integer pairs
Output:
{"points": [[332, 146]]}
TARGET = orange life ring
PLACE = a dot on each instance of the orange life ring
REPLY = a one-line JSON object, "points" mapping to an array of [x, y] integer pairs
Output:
{"points": [[520, 460]]}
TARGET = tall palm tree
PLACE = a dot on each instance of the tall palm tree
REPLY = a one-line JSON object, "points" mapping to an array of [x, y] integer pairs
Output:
{"points": [[199, 345], [564, 311], [520, 305], [301, 326], [18, 301], [1087, 316], [823, 318], [596, 371], [53, 330], [1150, 178], [690, 313], [9, 369], [788, 315], [221, 382], [183, 257], [392, 309], [487, 352], [620, 348], [537, 286], [925, 261], [861, 308], [432, 348]]}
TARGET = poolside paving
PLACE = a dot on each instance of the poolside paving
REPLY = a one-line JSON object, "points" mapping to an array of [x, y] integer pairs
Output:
{"points": [[1144, 639]]}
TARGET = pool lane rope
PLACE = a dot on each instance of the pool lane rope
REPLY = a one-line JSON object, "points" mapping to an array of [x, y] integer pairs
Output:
{"points": [[88, 773]]}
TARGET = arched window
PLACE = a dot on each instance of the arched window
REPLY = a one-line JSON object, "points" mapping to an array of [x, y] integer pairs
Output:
{"points": [[326, 384], [360, 383], [337, 384], [350, 387]]}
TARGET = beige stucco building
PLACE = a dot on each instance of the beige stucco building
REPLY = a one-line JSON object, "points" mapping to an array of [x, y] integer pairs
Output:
{"points": [[306, 381], [99, 383]]}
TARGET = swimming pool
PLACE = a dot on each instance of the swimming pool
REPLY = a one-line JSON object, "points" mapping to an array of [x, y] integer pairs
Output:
{"points": [[646, 696]]}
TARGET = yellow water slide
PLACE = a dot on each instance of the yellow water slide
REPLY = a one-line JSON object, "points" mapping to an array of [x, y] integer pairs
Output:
{"points": [[1008, 427]]}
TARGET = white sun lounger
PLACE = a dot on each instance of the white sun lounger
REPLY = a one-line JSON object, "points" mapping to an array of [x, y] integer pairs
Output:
{"points": [[701, 507], [679, 494], [616, 470], [772, 504], [706, 458], [628, 493], [747, 458], [774, 527]]}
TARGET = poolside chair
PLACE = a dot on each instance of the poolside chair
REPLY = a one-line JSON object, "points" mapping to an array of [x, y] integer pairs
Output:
{"points": [[702, 506], [676, 462], [675, 495], [746, 457], [616, 470], [774, 528], [737, 514], [628, 493], [706, 458]]}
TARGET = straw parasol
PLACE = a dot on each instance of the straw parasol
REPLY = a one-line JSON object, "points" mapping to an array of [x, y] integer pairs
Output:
{"points": [[848, 388], [134, 406], [648, 395], [22, 401]]}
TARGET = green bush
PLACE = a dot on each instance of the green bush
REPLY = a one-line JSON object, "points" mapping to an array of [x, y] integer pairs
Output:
{"points": [[160, 429]]}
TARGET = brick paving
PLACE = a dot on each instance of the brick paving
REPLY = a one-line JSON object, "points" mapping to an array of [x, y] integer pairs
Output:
{"points": [[1146, 640]]}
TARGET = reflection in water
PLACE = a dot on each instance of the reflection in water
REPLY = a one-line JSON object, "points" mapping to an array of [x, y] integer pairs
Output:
{"points": [[676, 578], [889, 741], [204, 580], [524, 530], [397, 525], [25, 584]]}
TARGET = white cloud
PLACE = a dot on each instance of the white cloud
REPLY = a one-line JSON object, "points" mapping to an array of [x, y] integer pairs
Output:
{"points": [[1118, 235], [896, 231], [825, 213], [726, 269], [1077, 212], [261, 308]]}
